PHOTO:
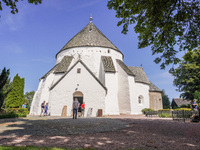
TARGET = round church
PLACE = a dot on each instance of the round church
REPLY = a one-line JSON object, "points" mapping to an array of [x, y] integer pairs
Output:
{"points": [[91, 68]]}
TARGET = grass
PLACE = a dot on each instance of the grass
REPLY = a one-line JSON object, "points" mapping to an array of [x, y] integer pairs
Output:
{"points": [[37, 148]]}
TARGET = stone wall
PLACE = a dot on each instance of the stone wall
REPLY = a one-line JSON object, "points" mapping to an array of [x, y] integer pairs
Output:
{"points": [[155, 100]]}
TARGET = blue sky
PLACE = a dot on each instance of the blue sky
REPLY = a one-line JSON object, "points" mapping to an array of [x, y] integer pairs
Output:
{"points": [[30, 39]]}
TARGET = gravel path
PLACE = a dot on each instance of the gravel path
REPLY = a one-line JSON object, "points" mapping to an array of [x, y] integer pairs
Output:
{"points": [[113, 132]]}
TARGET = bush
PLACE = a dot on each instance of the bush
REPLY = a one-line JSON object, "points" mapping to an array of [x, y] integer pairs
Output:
{"points": [[14, 113], [165, 115], [186, 109], [146, 109], [164, 110], [8, 115]]}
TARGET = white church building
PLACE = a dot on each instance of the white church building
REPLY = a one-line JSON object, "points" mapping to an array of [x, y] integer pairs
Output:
{"points": [[91, 68]]}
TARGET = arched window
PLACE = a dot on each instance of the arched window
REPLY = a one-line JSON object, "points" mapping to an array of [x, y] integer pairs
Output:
{"points": [[140, 99]]}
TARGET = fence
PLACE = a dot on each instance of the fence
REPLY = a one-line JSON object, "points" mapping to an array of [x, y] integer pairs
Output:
{"points": [[179, 115], [183, 115]]}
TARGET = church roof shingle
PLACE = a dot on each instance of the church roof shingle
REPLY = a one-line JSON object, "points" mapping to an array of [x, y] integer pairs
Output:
{"points": [[108, 64], [61, 67], [90, 35], [125, 68], [153, 88], [64, 64], [140, 75]]}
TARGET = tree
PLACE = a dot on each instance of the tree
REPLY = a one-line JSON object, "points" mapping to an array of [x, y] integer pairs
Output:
{"points": [[6, 89], [187, 75], [165, 100], [161, 24], [197, 96], [29, 97], [13, 4], [16, 95], [3, 79]]}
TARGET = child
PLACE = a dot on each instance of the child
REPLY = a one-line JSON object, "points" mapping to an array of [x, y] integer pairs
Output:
{"points": [[46, 109]]}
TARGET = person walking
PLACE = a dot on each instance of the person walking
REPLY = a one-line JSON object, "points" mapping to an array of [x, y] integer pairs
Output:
{"points": [[46, 109], [42, 108], [194, 105], [75, 108]]}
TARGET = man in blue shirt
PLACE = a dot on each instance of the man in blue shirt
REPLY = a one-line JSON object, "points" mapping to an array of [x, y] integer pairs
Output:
{"points": [[24, 105], [195, 104]]}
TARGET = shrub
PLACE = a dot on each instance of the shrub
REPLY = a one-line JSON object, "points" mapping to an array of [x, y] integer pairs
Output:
{"points": [[146, 109], [8, 115], [186, 109], [164, 110], [14, 113], [165, 115]]}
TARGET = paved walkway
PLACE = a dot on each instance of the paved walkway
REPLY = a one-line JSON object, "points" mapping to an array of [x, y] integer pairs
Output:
{"points": [[58, 126], [111, 132]]}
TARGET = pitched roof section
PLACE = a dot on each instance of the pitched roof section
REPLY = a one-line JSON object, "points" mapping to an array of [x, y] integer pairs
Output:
{"points": [[90, 35], [64, 64], [140, 75], [61, 67], [153, 88], [86, 69], [49, 72], [108, 64], [125, 68], [179, 101]]}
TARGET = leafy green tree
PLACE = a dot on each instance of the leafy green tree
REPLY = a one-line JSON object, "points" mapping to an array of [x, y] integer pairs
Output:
{"points": [[13, 4], [16, 95], [187, 75], [28, 98], [165, 100], [197, 96], [161, 24], [6, 89], [3, 79]]}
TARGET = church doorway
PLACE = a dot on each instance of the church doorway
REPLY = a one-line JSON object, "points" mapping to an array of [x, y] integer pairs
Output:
{"points": [[79, 96]]}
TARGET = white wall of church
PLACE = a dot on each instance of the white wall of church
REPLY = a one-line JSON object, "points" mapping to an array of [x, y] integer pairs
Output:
{"points": [[90, 56], [123, 91], [111, 101], [141, 90], [42, 94], [62, 94], [132, 93]]}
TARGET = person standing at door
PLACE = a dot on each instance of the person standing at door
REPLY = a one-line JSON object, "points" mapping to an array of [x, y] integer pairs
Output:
{"points": [[75, 108], [83, 109]]}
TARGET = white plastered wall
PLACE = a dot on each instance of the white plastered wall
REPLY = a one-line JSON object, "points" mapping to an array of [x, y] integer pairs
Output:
{"points": [[90, 56], [140, 89], [42, 94], [112, 105], [123, 91], [62, 94]]}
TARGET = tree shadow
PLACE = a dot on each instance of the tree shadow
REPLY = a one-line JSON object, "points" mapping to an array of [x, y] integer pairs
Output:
{"points": [[99, 133]]}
